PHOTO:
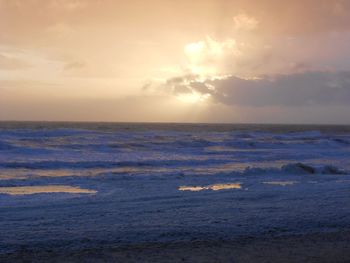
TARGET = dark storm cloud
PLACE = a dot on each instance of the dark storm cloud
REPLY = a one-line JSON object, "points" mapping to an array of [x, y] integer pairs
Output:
{"points": [[298, 89]]}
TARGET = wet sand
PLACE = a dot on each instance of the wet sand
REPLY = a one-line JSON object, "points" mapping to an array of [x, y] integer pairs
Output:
{"points": [[317, 247]]}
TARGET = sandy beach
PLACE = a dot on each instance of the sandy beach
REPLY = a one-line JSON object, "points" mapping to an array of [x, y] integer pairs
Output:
{"points": [[317, 247]]}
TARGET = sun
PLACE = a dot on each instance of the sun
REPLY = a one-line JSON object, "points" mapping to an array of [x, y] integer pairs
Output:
{"points": [[193, 98]]}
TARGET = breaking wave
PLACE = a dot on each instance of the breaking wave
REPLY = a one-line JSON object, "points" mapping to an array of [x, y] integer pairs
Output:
{"points": [[297, 169]]}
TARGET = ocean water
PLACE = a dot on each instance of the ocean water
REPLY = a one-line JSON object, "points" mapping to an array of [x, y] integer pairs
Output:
{"points": [[87, 184]]}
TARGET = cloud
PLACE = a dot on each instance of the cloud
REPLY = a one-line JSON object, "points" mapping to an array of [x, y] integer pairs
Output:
{"points": [[70, 5], [11, 63], [244, 22], [60, 30], [211, 57], [298, 16], [74, 65], [208, 57], [245, 70], [289, 90]]}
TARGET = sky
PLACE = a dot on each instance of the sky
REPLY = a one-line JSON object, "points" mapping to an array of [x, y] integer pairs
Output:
{"points": [[260, 61]]}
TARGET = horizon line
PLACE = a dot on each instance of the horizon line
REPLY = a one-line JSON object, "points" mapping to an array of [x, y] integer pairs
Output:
{"points": [[164, 122]]}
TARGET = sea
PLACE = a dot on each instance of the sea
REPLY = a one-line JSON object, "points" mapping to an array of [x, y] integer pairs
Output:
{"points": [[69, 185]]}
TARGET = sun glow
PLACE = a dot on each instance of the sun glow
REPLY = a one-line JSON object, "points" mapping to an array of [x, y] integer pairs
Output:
{"points": [[193, 97], [208, 57]]}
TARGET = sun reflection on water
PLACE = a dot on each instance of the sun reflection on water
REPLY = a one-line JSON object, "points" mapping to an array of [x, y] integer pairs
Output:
{"points": [[281, 183], [214, 187], [28, 190]]}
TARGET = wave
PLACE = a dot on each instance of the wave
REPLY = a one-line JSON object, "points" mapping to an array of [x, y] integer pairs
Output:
{"points": [[342, 141], [4, 146], [108, 164], [297, 169], [94, 141]]}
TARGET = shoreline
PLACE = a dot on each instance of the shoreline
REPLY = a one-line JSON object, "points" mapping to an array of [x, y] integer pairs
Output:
{"points": [[315, 247]]}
